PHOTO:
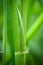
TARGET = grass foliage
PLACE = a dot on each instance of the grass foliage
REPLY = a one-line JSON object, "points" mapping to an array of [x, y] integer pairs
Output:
{"points": [[21, 30]]}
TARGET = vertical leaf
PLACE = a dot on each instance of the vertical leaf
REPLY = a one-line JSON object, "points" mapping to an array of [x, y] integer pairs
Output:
{"points": [[5, 31], [13, 30]]}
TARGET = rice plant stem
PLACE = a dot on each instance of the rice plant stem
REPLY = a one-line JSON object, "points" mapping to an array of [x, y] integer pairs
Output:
{"points": [[23, 30], [4, 31]]}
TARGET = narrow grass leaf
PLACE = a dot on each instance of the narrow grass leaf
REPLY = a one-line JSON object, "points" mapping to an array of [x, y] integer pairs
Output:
{"points": [[23, 31], [34, 27], [5, 31]]}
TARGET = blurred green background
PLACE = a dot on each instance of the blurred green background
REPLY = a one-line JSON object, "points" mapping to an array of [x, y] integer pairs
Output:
{"points": [[35, 44]]}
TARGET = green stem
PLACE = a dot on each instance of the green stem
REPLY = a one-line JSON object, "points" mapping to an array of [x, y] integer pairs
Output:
{"points": [[23, 40], [23, 46], [5, 31], [15, 28], [25, 10]]}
